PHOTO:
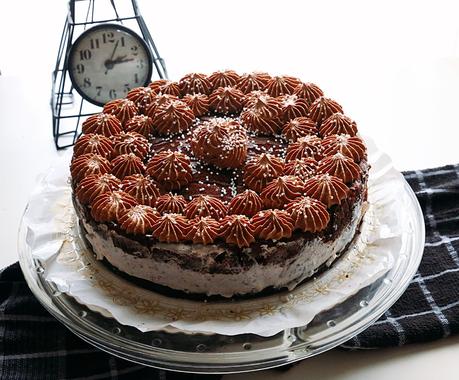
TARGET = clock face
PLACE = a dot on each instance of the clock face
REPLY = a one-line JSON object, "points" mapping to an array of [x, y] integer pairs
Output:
{"points": [[107, 61]]}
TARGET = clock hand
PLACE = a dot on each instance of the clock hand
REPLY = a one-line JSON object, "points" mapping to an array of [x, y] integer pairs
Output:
{"points": [[109, 62], [125, 60], [114, 50], [122, 59], [119, 58]]}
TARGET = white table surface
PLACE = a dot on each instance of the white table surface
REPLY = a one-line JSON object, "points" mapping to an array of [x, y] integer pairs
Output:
{"points": [[394, 66]]}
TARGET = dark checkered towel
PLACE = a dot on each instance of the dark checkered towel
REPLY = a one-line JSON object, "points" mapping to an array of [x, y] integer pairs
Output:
{"points": [[429, 308], [33, 345]]}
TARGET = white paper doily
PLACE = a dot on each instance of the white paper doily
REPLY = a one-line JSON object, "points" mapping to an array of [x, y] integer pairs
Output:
{"points": [[53, 238]]}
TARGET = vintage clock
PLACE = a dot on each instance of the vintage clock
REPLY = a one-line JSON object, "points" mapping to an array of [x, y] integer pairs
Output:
{"points": [[108, 60], [104, 52]]}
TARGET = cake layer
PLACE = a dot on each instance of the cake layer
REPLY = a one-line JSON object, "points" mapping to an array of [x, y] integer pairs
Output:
{"points": [[311, 255], [222, 269]]}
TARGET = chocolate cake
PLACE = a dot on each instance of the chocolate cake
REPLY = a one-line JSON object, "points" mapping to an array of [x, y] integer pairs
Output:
{"points": [[220, 184]]}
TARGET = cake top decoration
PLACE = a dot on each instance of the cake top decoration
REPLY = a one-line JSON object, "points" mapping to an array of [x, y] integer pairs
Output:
{"points": [[308, 91], [308, 214], [108, 207], [303, 168], [272, 224], [326, 188], [102, 124], [247, 203], [306, 146], [174, 117], [141, 124], [293, 106], [351, 146], [299, 127], [264, 105], [226, 101], [238, 230], [340, 166], [195, 83], [127, 164], [203, 230], [254, 120], [160, 100], [89, 163], [94, 184], [93, 143], [171, 203], [171, 228], [123, 109], [253, 82], [205, 205], [261, 169], [338, 124], [225, 78], [247, 157], [142, 188], [281, 85], [141, 96], [322, 108], [221, 142], [139, 220], [130, 142], [199, 103], [164, 86], [281, 191], [172, 169]]}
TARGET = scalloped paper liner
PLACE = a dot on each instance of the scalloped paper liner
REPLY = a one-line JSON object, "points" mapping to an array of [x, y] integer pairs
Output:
{"points": [[55, 240]]}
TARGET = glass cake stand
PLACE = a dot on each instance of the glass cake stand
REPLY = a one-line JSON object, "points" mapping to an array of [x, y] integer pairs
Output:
{"points": [[186, 351]]}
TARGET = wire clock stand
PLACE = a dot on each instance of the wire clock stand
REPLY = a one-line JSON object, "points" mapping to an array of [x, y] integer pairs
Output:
{"points": [[69, 109]]}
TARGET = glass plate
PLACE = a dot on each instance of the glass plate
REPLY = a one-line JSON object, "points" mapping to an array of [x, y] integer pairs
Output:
{"points": [[212, 353]]}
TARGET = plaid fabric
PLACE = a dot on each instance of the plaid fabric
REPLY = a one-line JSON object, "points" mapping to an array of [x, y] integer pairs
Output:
{"points": [[429, 308], [33, 345]]}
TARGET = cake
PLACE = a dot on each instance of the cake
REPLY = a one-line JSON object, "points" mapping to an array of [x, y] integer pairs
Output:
{"points": [[220, 185]]}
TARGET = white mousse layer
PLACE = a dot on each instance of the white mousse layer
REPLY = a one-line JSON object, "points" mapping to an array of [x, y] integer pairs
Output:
{"points": [[288, 274]]}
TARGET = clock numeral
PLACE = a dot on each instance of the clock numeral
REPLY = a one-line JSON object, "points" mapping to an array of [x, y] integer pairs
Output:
{"points": [[122, 42], [112, 94], [140, 64], [127, 88], [85, 54], [134, 50], [79, 68], [98, 90], [108, 37], [94, 43], [136, 78], [87, 83]]}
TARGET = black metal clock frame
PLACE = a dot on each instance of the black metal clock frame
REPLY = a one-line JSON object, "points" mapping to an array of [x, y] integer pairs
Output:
{"points": [[72, 51], [69, 108]]}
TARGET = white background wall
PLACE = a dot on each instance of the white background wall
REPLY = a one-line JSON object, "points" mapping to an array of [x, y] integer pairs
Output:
{"points": [[394, 65]]}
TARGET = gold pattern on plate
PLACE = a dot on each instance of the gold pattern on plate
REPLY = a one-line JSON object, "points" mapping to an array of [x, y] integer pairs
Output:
{"points": [[75, 254], [321, 289], [144, 306], [343, 276], [268, 309]]}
